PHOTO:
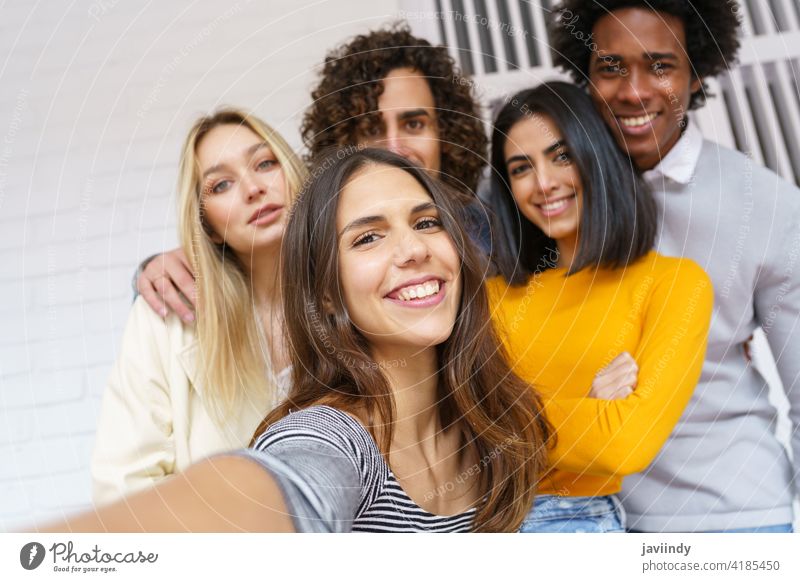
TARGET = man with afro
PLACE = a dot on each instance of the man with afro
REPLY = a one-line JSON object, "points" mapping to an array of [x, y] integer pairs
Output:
{"points": [[644, 64]]}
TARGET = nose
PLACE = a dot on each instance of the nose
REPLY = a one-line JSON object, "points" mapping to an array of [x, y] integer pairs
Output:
{"points": [[394, 143], [410, 249], [545, 182], [636, 89], [253, 187]]}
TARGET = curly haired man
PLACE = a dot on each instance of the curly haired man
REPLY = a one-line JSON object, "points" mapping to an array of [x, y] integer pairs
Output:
{"points": [[391, 89]]}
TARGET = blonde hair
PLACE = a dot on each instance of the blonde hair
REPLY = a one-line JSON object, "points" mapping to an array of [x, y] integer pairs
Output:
{"points": [[231, 361]]}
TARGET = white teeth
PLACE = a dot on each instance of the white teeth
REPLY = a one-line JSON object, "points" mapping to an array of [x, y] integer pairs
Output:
{"points": [[554, 205], [419, 291], [637, 121]]}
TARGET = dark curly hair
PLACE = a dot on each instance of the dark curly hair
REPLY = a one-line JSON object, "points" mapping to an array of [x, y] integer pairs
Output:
{"points": [[345, 101], [711, 35]]}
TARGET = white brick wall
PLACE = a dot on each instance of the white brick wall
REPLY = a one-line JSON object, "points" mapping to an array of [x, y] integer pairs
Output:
{"points": [[94, 102]]}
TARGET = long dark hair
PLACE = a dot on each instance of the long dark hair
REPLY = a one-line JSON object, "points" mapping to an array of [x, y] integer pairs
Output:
{"points": [[619, 220], [498, 413]]}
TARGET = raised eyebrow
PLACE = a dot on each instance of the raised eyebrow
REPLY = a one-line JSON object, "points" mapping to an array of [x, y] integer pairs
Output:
{"points": [[249, 152], [423, 207], [376, 218], [363, 221]]}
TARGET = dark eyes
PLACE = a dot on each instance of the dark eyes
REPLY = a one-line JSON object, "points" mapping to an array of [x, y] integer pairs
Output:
{"points": [[616, 68], [562, 158], [365, 238], [415, 124], [373, 131], [426, 223], [412, 125], [517, 170], [611, 68]]}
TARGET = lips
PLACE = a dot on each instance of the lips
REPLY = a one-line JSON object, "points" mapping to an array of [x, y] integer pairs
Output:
{"points": [[636, 124], [266, 214], [555, 207], [423, 290]]}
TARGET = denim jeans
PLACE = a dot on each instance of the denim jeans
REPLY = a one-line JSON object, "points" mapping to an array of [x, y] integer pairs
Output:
{"points": [[557, 514], [782, 528]]}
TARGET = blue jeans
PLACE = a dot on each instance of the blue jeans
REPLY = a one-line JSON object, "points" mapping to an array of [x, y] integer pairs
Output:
{"points": [[557, 514], [782, 528]]}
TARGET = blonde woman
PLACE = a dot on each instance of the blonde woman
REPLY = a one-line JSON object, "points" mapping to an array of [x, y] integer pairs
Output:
{"points": [[181, 391]]}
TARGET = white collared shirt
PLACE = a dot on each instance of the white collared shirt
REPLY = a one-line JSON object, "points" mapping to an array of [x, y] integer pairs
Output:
{"points": [[680, 162]]}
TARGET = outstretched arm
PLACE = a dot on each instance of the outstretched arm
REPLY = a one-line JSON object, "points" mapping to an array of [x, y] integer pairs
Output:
{"points": [[221, 494], [309, 472]]}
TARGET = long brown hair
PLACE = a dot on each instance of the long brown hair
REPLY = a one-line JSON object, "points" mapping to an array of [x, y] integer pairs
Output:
{"points": [[498, 413]]}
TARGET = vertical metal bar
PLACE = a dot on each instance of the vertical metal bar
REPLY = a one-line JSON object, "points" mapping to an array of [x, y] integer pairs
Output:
{"points": [[540, 32], [769, 122], [498, 28], [521, 31], [744, 116], [470, 22], [789, 118], [462, 57], [786, 13], [713, 118]]}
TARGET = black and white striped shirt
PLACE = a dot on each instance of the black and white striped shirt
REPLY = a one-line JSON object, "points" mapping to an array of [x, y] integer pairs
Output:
{"points": [[334, 478]]}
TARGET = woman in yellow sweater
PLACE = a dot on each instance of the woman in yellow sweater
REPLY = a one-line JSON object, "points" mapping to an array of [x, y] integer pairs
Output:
{"points": [[611, 333]]}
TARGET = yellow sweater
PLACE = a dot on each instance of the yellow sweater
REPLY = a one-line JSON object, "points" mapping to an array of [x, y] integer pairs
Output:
{"points": [[560, 331]]}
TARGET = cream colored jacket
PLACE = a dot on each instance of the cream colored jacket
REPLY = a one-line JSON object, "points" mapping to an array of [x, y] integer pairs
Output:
{"points": [[153, 420]]}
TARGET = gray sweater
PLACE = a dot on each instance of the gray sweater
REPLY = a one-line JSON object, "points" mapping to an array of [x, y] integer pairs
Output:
{"points": [[723, 467]]}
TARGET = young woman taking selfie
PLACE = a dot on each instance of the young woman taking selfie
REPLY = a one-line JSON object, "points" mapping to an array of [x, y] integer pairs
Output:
{"points": [[403, 413]]}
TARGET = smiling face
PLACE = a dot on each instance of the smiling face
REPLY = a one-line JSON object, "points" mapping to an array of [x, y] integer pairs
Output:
{"points": [[244, 192], [398, 267], [641, 82], [408, 119], [544, 182]]}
